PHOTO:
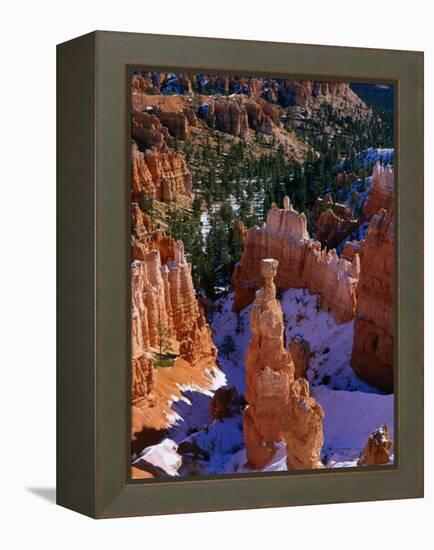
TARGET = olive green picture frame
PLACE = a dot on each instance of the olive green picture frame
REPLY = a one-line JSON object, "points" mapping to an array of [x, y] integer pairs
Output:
{"points": [[93, 204]]}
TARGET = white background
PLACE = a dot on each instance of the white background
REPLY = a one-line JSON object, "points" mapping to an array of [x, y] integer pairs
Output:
{"points": [[30, 31]]}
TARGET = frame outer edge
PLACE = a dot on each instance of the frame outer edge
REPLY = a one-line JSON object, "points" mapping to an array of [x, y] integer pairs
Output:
{"points": [[115, 497], [75, 410]]}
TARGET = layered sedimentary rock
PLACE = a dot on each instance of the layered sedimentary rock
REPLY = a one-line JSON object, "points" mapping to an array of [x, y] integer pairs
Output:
{"points": [[377, 449], [164, 306], [302, 264], [284, 91], [302, 428], [381, 192], [279, 407], [300, 353], [142, 380], [300, 91], [149, 131], [226, 114], [159, 175], [351, 248], [334, 222], [372, 356], [236, 114], [263, 116], [175, 121]]}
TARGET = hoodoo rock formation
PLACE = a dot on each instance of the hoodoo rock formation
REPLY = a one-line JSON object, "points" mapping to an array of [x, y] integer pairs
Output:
{"points": [[372, 356], [159, 175], [164, 305], [377, 449], [302, 264], [381, 193], [279, 407], [236, 114], [282, 91], [149, 131]]}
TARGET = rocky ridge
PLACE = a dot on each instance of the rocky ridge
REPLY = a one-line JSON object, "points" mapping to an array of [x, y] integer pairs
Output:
{"points": [[302, 264], [373, 350], [281, 91], [279, 407]]}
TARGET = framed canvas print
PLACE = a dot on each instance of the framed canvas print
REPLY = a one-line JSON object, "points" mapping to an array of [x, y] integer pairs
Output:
{"points": [[240, 274]]}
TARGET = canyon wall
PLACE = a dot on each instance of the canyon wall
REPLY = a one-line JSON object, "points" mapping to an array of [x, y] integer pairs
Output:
{"points": [[283, 91], [164, 307], [381, 192], [236, 114], [373, 353], [279, 407], [302, 264], [372, 356], [159, 175]]}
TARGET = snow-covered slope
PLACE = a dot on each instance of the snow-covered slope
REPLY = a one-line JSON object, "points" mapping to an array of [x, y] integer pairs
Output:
{"points": [[350, 417], [330, 343], [352, 408], [371, 156], [163, 456]]}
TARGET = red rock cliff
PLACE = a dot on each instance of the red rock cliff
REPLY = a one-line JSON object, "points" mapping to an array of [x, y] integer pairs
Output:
{"points": [[164, 303], [159, 175], [302, 264], [381, 192], [372, 356], [279, 408]]}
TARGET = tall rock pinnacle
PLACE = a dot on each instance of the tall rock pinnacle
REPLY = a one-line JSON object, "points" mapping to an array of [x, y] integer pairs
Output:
{"points": [[279, 408]]}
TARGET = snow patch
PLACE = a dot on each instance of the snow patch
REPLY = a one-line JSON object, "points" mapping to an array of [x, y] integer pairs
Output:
{"points": [[350, 418], [164, 455]]}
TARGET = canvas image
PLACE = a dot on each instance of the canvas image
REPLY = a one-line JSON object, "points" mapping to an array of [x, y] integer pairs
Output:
{"points": [[262, 275]]}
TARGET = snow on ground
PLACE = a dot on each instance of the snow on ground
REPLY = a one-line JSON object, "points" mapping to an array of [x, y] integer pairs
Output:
{"points": [[192, 411], [164, 455], [350, 417], [352, 408], [360, 188], [214, 447], [370, 156], [330, 343], [238, 461], [256, 202]]}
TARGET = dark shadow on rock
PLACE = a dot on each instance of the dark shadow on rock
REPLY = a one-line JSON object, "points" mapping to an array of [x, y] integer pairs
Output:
{"points": [[47, 493], [145, 438]]}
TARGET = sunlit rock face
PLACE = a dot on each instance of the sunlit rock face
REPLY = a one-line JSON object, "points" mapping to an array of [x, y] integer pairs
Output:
{"points": [[164, 304], [381, 192], [142, 381], [302, 264], [148, 130], [159, 175], [283, 91], [300, 91], [378, 448], [372, 356], [303, 431], [237, 114], [279, 407]]}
